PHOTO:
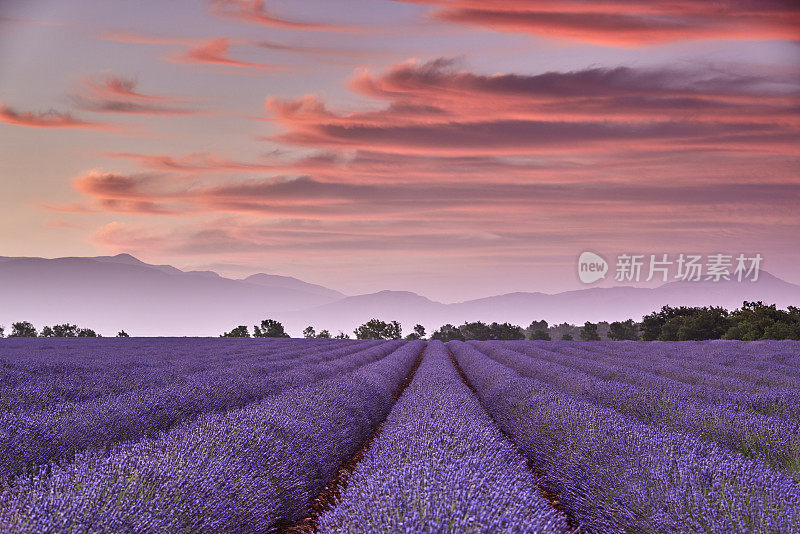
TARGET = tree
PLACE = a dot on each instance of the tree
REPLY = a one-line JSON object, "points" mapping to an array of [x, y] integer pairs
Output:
{"points": [[22, 329], [418, 333], [239, 331], [540, 335], [269, 328], [324, 334], [341, 335], [123, 333], [566, 337], [65, 330], [447, 333], [87, 332], [309, 332], [622, 330], [477, 330], [652, 325], [377, 329], [589, 332], [704, 323], [756, 320], [506, 331], [538, 325], [560, 330], [1, 330], [47, 332], [685, 323]]}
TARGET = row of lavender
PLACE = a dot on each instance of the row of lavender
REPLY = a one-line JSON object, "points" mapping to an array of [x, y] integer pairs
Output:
{"points": [[620, 456], [38, 372], [608, 427], [30, 438], [725, 415], [251, 469], [441, 465]]}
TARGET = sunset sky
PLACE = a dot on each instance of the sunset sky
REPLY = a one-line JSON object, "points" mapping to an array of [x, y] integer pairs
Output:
{"points": [[456, 148]]}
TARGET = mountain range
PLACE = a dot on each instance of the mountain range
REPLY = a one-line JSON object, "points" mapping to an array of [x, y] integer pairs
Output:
{"points": [[109, 293]]}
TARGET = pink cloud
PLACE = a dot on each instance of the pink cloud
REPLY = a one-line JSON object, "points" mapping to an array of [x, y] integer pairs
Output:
{"points": [[127, 37], [47, 119], [255, 12], [215, 52], [117, 94], [628, 22], [436, 109]]}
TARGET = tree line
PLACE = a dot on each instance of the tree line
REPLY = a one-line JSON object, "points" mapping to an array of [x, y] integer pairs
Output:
{"points": [[27, 329], [753, 321]]}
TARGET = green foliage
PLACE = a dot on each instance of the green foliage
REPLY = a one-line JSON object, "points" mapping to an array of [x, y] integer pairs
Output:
{"points": [[324, 334], [341, 335], [705, 323], [239, 331], [22, 329], [685, 323], [269, 328], [566, 337], [540, 335], [47, 332], [377, 329], [589, 332], [418, 333], [123, 333], [755, 320], [447, 333], [652, 325], [623, 330], [2, 330]]}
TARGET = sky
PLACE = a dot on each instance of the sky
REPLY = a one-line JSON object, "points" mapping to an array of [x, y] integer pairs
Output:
{"points": [[456, 148]]}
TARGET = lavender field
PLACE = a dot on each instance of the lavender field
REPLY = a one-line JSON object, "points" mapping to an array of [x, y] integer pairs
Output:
{"points": [[284, 435]]}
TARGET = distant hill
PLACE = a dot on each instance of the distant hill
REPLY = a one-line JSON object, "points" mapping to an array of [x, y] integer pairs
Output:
{"points": [[109, 293], [287, 282]]}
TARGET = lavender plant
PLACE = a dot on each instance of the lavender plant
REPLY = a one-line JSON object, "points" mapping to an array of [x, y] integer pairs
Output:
{"points": [[246, 470], [440, 465], [617, 475]]}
